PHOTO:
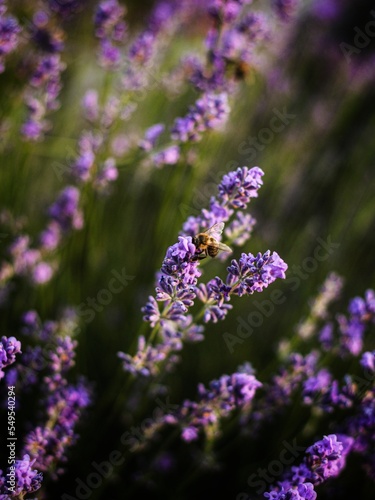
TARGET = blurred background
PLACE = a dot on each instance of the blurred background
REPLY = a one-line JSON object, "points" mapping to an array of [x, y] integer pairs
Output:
{"points": [[319, 184]]}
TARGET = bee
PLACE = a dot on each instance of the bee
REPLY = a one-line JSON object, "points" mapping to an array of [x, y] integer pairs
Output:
{"points": [[207, 244]]}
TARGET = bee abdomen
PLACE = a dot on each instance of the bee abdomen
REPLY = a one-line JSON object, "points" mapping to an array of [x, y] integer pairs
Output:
{"points": [[212, 251]]}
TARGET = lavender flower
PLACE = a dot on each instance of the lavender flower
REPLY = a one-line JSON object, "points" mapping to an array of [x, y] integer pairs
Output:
{"points": [[215, 403], [239, 230], [179, 263], [324, 459], [209, 112], [304, 491], [110, 29], [63, 403], [252, 274], [51, 236], [9, 347], [177, 282], [234, 191], [352, 328], [145, 362], [90, 105], [151, 136], [285, 8], [43, 95], [9, 35], [48, 444], [237, 188], [65, 211], [368, 361], [42, 273], [167, 156], [83, 165], [27, 480]]}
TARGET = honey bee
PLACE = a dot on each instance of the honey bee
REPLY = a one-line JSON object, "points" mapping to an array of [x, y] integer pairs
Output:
{"points": [[207, 244]]}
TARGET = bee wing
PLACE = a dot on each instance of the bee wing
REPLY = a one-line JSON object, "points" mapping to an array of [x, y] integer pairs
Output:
{"points": [[215, 230], [223, 247]]}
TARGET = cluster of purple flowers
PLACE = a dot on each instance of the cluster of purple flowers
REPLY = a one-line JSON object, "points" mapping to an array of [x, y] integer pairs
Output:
{"points": [[231, 46], [9, 347], [182, 304], [285, 8], [65, 216], [111, 30], [177, 286], [224, 395], [26, 479], [209, 112], [46, 445], [44, 85], [9, 34], [324, 459]]}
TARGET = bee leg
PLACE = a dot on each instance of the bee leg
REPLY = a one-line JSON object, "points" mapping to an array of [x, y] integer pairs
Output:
{"points": [[200, 256]]}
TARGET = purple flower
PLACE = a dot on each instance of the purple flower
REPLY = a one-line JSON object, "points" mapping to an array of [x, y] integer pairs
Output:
{"points": [[108, 14], [189, 434], [109, 55], [214, 403], [35, 124], [178, 262], [252, 274], [151, 311], [48, 444], [368, 361], [42, 273], [326, 458], [62, 358], [27, 480], [90, 105], [31, 322], [145, 361], [303, 491], [209, 112], [9, 36], [167, 156], [213, 295], [89, 144], [65, 211], [326, 337], [107, 174], [111, 30], [9, 347], [315, 385], [151, 136], [239, 230], [285, 8], [51, 236], [45, 83], [142, 49], [237, 188]]}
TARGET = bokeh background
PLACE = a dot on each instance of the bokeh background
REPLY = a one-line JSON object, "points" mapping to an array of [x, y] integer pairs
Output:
{"points": [[319, 183]]}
